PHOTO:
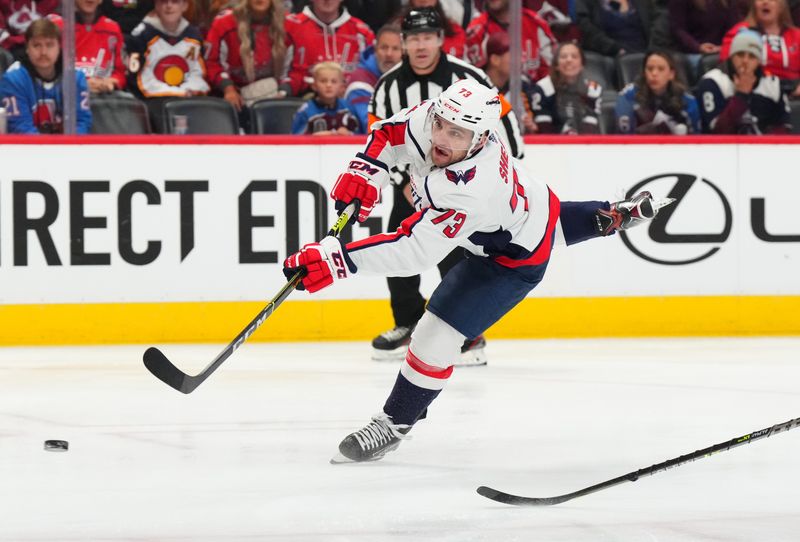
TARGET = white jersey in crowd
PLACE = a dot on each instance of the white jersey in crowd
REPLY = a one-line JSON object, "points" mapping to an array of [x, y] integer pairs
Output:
{"points": [[485, 203]]}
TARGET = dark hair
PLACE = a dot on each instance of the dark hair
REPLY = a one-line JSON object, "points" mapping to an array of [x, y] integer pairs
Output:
{"points": [[391, 28], [43, 28], [672, 101], [555, 75]]}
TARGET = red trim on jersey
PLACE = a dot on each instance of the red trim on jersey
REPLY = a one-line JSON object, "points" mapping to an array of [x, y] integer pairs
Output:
{"points": [[541, 253], [428, 370], [392, 134], [403, 231]]}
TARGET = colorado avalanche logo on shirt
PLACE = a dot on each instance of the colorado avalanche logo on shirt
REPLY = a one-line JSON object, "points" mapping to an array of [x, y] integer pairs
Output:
{"points": [[460, 176]]}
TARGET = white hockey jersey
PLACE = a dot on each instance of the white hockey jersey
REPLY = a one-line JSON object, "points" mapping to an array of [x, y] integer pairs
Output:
{"points": [[485, 203]]}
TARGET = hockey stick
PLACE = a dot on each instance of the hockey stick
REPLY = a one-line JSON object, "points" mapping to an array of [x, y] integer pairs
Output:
{"points": [[163, 369], [507, 498]]}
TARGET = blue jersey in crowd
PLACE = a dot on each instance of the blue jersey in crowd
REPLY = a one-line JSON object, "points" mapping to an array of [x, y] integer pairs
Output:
{"points": [[633, 118], [314, 117], [36, 106], [361, 84]]}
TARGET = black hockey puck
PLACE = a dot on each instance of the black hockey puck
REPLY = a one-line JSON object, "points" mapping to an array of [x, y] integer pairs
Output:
{"points": [[56, 445]]}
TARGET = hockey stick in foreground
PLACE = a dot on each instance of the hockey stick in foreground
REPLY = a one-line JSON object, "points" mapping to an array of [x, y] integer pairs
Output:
{"points": [[163, 369], [507, 498]]}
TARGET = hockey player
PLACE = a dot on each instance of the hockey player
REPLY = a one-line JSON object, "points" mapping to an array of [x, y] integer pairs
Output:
{"points": [[470, 193], [31, 89]]}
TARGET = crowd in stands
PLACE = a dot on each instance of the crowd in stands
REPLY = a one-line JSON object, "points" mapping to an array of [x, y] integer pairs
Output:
{"points": [[588, 66]]}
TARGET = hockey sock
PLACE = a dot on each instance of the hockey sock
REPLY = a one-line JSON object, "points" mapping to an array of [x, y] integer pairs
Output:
{"points": [[407, 403], [417, 385], [577, 220]]}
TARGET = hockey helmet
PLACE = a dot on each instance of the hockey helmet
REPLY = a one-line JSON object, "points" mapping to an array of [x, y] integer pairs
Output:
{"points": [[471, 105], [422, 20]]}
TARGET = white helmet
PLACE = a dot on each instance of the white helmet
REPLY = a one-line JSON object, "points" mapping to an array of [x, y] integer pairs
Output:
{"points": [[471, 105]]}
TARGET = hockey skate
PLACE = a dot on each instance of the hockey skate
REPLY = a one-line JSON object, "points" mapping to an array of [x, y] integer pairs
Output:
{"points": [[372, 442], [392, 345], [628, 213], [473, 353]]}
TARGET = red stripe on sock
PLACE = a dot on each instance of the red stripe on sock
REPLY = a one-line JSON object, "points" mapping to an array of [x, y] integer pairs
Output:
{"points": [[428, 370]]}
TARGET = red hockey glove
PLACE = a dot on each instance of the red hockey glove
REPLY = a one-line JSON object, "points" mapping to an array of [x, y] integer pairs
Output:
{"points": [[323, 262], [357, 185]]}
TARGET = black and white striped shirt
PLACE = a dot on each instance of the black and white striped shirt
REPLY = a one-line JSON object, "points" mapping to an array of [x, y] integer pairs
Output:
{"points": [[400, 87]]}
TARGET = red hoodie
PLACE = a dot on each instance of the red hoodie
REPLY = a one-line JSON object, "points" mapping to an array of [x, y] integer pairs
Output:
{"points": [[312, 41], [98, 49]]}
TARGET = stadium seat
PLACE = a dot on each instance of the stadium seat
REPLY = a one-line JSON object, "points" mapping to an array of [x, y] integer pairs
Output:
{"points": [[600, 69], [708, 63], [794, 105], [608, 120], [274, 116], [205, 115], [6, 60], [628, 68], [119, 113]]}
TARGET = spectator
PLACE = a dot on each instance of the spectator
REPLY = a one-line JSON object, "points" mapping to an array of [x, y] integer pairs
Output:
{"points": [[455, 39], [15, 16], [538, 42], [326, 113], [461, 11], [31, 88], [246, 53], [498, 69], [323, 31], [740, 98], [698, 26], [374, 62], [98, 47], [565, 102], [127, 13], [616, 27], [166, 58], [781, 41], [657, 103]]}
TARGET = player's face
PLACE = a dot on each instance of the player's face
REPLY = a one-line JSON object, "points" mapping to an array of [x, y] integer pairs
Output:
{"points": [[43, 54], [744, 63], [449, 142], [767, 11], [388, 50], [423, 50], [170, 12], [570, 64], [328, 85], [658, 74], [87, 7]]}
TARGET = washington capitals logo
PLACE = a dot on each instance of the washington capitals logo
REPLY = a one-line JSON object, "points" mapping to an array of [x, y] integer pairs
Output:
{"points": [[460, 176]]}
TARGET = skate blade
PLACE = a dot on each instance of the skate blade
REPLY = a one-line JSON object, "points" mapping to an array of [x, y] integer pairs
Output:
{"points": [[398, 354], [339, 459], [472, 358]]}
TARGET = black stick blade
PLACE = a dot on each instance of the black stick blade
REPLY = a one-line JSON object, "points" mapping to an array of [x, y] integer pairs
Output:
{"points": [[163, 369], [507, 498]]}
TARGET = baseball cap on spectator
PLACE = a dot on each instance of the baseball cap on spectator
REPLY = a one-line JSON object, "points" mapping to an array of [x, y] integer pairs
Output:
{"points": [[422, 20], [497, 44], [747, 41]]}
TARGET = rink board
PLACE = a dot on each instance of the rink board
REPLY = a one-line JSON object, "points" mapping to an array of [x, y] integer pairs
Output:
{"points": [[114, 240]]}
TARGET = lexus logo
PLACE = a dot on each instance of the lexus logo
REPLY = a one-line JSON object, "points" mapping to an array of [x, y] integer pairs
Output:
{"points": [[700, 204]]}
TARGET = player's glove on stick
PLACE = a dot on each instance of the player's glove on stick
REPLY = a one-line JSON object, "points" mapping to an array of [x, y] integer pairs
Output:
{"points": [[323, 262], [357, 183]]}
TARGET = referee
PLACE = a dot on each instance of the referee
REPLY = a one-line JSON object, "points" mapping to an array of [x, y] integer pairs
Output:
{"points": [[424, 73]]}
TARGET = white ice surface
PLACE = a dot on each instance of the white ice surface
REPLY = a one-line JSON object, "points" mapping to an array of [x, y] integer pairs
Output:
{"points": [[245, 457]]}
